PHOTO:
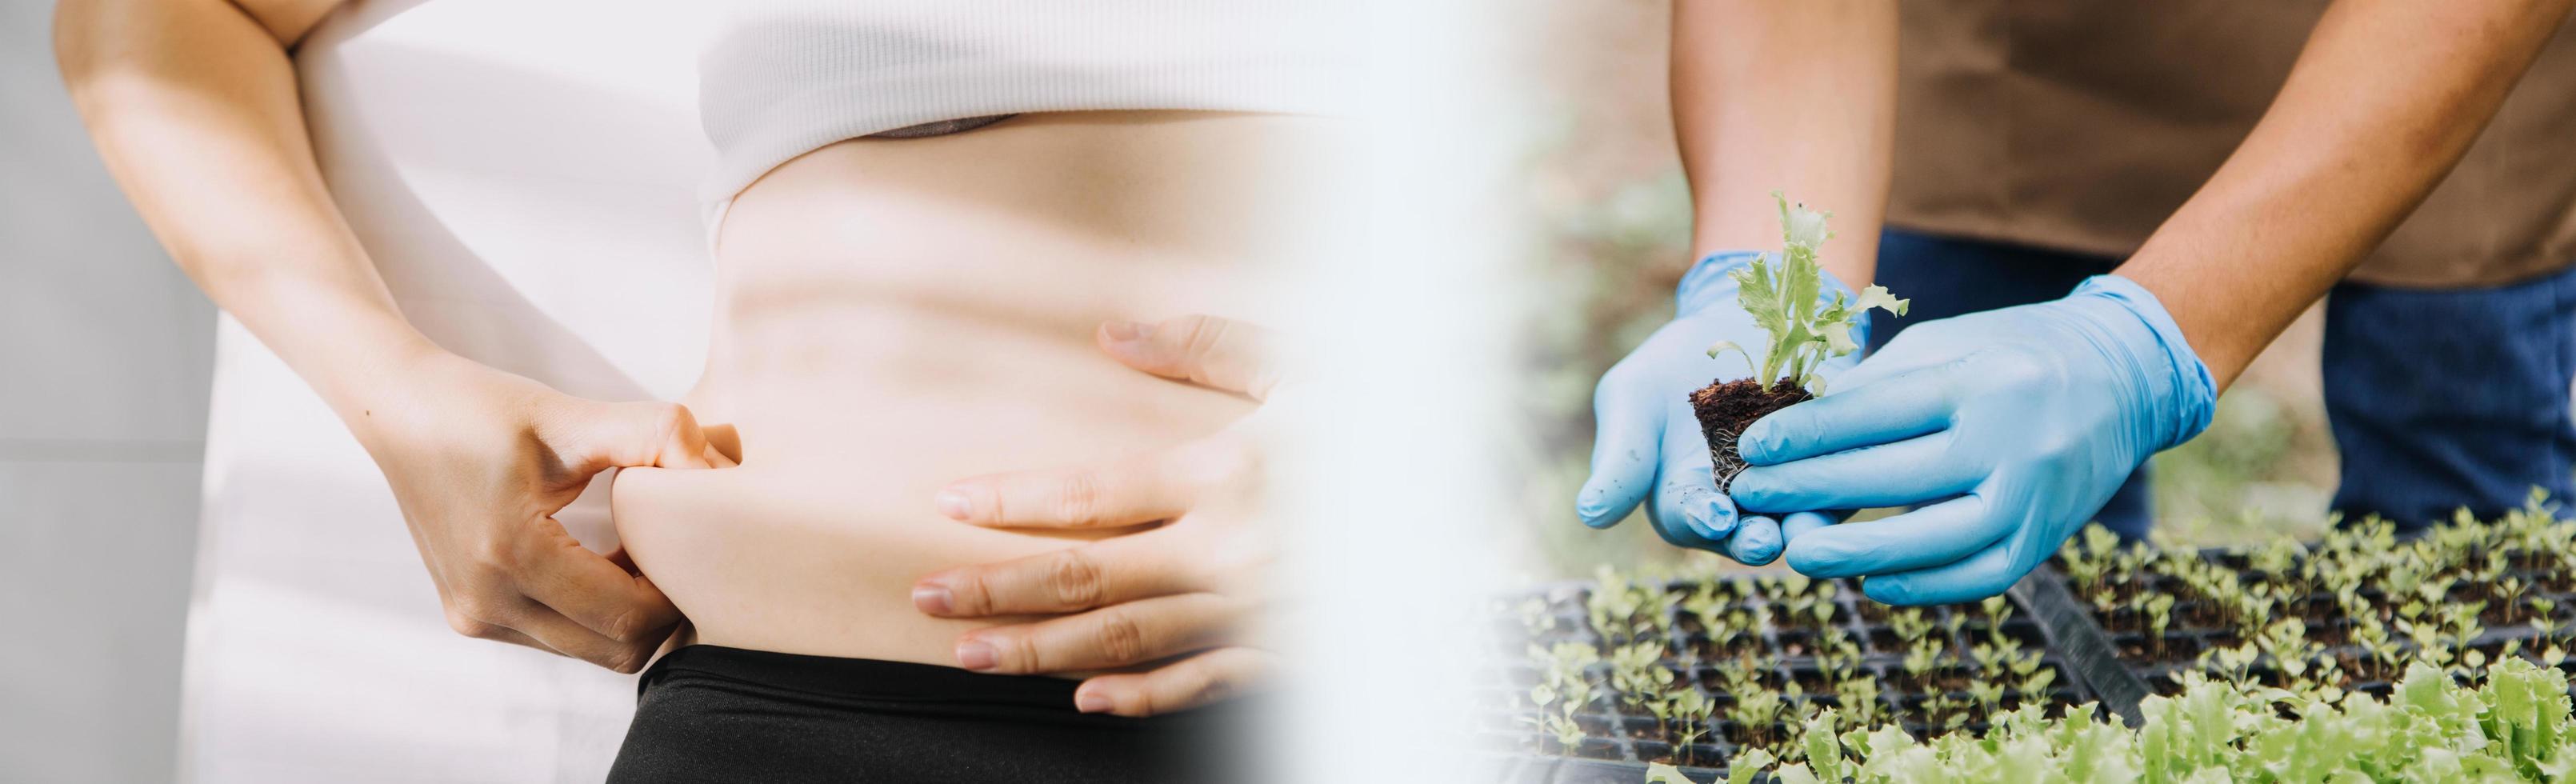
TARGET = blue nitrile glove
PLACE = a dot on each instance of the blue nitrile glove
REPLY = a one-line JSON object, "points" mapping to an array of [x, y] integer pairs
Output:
{"points": [[2025, 419], [1649, 442]]}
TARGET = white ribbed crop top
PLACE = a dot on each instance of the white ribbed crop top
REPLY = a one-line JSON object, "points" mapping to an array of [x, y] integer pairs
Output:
{"points": [[781, 78]]}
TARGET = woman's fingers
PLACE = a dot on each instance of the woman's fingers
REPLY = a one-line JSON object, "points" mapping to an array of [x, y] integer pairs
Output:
{"points": [[724, 445], [1158, 486], [1073, 579], [1181, 685], [1205, 350], [592, 591], [526, 622], [625, 435], [1115, 636]]}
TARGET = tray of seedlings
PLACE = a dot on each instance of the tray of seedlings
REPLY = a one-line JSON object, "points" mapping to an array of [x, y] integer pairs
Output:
{"points": [[1595, 682], [2347, 613], [2363, 656]]}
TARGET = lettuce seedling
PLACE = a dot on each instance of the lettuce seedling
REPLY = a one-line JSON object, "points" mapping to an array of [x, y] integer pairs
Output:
{"points": [[1781, 293], [1782, 300]]}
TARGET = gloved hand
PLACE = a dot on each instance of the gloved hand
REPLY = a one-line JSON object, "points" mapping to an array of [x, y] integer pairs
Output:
{"points": [[2025, 419], [1650, 444]]}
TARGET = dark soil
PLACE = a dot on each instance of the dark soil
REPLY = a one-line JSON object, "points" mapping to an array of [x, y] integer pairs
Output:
{"points": [[1726, 408]]}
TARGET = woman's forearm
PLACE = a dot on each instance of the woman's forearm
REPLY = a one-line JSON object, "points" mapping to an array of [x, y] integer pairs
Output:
{"points": [[194, 106], [1797, 97], [2383, 102]]}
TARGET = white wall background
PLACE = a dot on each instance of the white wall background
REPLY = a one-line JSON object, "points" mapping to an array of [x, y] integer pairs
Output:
{"points": [[105, 352]]}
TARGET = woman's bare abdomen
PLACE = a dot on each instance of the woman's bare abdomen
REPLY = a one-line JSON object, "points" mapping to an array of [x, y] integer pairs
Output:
{"points": [[896, 315]]}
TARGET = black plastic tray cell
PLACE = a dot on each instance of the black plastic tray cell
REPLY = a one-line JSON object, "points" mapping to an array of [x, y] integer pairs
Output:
{"points": [[1619, 741]]}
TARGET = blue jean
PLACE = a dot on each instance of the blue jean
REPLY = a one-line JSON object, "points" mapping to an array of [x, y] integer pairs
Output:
{"points": [[2443, 399], [2438, 399]]}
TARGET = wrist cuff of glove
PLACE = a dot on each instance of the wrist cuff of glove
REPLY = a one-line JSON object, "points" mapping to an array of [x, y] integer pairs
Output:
{"points": [[2177, 380], [1712, 281]]}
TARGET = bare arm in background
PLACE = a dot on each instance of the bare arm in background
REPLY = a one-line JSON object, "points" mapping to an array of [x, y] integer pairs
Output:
{"points": [[1786, 96], [2384, 100], [1791, 97], [194, 106]]}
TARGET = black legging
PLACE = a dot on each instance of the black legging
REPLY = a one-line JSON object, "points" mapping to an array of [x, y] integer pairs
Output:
{"points": [[716, 714]]}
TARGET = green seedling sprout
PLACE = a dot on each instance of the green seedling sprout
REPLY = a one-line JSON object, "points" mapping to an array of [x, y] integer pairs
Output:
{"points": [[2159, 616], [1691, 713], [1782, 301], [1638, 678], [1564, 692]]}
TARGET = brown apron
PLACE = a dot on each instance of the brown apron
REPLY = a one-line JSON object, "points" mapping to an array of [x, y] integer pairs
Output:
{"points": [[2081, 125]]}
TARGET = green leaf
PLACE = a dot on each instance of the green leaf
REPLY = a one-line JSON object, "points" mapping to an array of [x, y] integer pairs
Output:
{"points": [[1878, 297], [1748, 763], [1824, 751], [1758, 291], [1799, 226], [1725, 345], [1660, 773], [1837, 337], [1800, 283]]}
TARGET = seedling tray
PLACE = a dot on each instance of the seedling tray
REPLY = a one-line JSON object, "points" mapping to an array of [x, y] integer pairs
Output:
{"points": [[2153, 661], [1619, 740], [2466, 596]]}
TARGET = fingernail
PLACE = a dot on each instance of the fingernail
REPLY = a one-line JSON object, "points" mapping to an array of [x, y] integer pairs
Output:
{"points": [[1126, 331], [932, 599], [976, 655], [1090, 703], [952, 502]]}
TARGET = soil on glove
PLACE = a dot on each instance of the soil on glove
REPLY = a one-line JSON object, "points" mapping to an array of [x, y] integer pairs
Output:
{"points": [[1726, 408]]}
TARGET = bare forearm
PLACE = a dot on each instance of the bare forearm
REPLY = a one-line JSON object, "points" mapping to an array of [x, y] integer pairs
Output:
{"points": [[2385, 99], [1786, 96], [193, 104]]}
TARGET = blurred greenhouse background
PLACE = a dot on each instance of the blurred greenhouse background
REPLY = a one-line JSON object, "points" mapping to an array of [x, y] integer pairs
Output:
{"points": [[1607, 187]]}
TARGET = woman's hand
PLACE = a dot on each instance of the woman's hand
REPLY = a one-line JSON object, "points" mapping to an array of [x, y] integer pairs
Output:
{"points": [[1185, 589], [480, 461], [194, 107]]}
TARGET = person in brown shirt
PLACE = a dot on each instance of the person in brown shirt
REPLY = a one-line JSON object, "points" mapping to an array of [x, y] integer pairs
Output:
{"points": [[2102, 211]]}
